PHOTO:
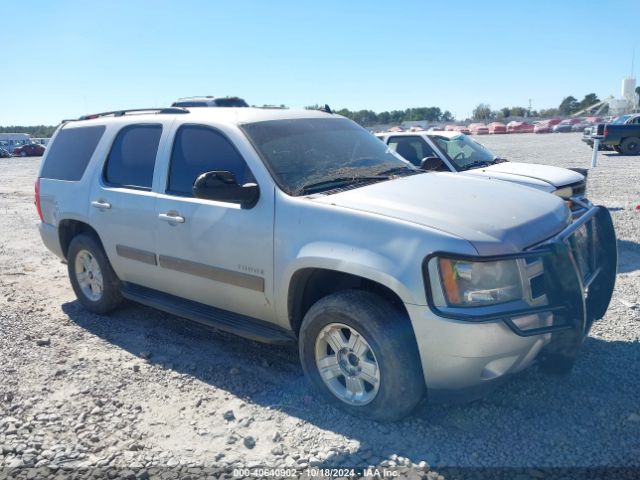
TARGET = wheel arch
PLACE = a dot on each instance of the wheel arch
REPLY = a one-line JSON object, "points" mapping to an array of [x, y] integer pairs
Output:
{"points": [[310, 284], [70, 228]]}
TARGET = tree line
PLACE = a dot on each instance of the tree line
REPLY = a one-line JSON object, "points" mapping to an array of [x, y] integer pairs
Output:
{"points": [[368, 118], [37, 131], [568, 106]]}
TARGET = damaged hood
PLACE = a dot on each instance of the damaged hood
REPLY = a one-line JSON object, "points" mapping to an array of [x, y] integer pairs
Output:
{"points": [[495, 217]]}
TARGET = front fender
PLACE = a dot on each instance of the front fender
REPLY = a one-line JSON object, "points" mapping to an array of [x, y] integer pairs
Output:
{"points": [[355, 261]]}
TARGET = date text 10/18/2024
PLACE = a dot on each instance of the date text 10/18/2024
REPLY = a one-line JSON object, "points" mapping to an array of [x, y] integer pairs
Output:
{"points": [[375, 472]]}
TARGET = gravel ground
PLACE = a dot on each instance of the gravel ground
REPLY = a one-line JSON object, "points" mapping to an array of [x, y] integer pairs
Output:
{"points": [[142, 389]]}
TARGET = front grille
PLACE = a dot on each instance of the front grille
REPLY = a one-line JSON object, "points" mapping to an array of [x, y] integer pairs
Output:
{"points": [[535, 291], [537, 286]]}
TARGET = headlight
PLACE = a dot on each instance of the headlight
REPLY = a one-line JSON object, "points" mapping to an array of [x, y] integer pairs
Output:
{"points": [[565, 192], [470, 284]]}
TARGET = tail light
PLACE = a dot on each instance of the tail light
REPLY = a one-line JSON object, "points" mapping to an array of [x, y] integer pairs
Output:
{"points": [[37, 199]]}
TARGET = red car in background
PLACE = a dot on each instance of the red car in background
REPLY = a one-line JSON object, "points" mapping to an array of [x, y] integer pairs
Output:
{"points": [[497, 127], [519, 127], [29, 150], [478, 129], [545, 126], [462, 129]]}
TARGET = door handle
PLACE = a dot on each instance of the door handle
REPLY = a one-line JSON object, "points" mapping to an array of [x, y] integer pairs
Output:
{"points": [[171, 217], [101, 205]]}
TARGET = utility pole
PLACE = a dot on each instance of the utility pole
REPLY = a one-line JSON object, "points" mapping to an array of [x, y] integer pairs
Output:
{"points": [[529, 113]]}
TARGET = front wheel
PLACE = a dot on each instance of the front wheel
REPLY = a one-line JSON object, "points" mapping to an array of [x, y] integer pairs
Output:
{"points": [[360, 353], [93, 280]]}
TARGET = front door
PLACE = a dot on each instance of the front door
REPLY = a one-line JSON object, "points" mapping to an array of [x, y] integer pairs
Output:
{"points": [[212, 252]]}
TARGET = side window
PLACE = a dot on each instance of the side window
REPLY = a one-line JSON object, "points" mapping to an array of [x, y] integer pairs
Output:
{"points": [[413, 149], [199, 149], [133, 156], [68, 157]]}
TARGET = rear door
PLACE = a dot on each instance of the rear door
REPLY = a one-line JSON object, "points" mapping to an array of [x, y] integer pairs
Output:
{"points": [[123, 204]]}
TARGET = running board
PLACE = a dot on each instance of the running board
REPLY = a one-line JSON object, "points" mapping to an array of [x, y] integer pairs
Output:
{"points": [[216, 318]]}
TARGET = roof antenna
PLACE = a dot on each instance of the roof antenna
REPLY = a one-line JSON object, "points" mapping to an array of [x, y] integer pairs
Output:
{"points": [[327, 109]]}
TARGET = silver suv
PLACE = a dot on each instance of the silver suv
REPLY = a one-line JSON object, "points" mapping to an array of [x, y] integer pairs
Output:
{"points": [[300, 226]]}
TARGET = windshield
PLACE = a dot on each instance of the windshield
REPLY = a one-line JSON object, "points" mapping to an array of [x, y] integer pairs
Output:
{"points": [[464, 152], [621, 119], [311, 151]]}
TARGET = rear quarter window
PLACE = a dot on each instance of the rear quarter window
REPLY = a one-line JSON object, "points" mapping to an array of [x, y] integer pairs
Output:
{"points": [[70, 152]]}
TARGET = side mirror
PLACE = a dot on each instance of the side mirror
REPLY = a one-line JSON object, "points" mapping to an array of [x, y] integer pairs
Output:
{"points": [[431, 164], [223, 187]]}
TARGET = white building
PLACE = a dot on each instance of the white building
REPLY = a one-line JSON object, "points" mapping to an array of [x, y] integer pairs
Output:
{"points": [[628, 101]]}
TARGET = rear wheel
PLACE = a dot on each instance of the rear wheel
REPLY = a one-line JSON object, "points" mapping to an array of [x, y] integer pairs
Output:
{"points": [[630, 146], [360, 353], [93, 280], [23, 154]]}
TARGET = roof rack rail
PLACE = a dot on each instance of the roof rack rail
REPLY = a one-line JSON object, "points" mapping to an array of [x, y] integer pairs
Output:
{"points": [[120, 113]]}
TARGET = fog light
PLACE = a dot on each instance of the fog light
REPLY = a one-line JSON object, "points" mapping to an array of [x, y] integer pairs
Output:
{"points": [[534, 321]]}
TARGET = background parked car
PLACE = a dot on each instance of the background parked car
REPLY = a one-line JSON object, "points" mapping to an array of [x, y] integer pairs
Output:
{"points": [[462, 129], [497, 127], [545, 126], [519, 127], [478, 129], [565, 125], [596, 120], [29, 150], [579, 127]]}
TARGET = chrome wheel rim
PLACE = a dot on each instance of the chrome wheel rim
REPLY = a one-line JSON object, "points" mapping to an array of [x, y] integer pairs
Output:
{"points": [[89, 275], [347, 364]]}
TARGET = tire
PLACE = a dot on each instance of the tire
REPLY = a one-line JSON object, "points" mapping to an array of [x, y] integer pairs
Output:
{"points": [[23, 154], [617, 148], [93, 280], [384, 341], [630, 146]]}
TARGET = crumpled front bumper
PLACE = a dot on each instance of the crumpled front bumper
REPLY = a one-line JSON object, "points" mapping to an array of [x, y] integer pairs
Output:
{"points": [[469, 351]]}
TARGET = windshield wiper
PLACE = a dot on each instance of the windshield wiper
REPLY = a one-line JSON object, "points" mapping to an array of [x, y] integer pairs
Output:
{"points": [[400, 170], [336, 182], [471, 165], [498, 160]]}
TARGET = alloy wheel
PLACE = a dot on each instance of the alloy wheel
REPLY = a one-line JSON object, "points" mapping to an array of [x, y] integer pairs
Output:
{"points": [[347, 364]]}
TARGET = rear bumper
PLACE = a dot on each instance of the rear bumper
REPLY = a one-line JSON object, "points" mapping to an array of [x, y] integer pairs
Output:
{"points": [[469, 353], [50, 238]]}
